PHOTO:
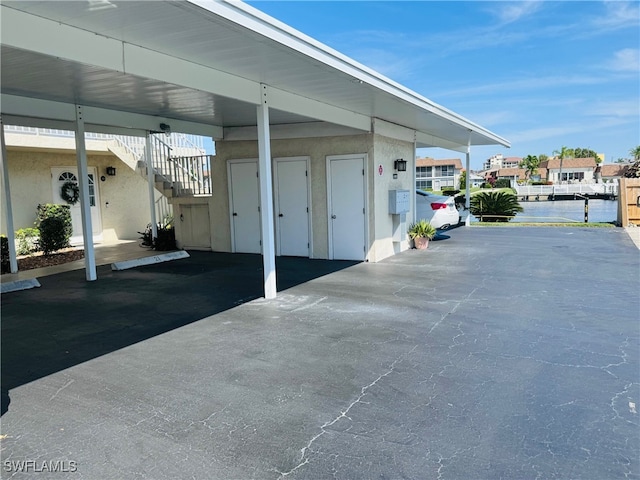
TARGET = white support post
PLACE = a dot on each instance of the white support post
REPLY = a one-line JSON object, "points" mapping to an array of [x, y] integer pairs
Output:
{"points": [[414, 180], [151, 181], [266, 196], [467, 196], [13, 261], [85, 208]]}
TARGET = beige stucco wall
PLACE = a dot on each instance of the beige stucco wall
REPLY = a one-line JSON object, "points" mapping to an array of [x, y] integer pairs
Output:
{"points": [[30, 181], [386, 151], [379, 150]]}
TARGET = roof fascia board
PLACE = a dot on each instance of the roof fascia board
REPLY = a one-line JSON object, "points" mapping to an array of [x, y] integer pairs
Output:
{"points": [[69, 126], [77, 45], [306, 107], [13, 105], [132, 59], [391, 130], [291, 131], [425, 140], [279, 32]]}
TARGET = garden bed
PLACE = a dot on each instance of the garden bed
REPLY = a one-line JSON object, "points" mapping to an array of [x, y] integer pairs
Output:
{"points": [[38, 260]]}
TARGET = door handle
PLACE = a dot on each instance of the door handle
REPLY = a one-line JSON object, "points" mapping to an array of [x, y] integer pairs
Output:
{"points": [[281, 215], [235, 214], [333, 216]]}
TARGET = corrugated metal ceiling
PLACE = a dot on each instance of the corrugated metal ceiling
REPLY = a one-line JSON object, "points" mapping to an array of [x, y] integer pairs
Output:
{"points": [[244, 43]]}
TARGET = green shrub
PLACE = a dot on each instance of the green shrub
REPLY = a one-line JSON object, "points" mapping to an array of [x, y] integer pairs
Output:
{"points": [[53, 235], [56, 233], [502, 183], [4, 254], [27, 240], [422, 228], [495, 206], [166, 239]]}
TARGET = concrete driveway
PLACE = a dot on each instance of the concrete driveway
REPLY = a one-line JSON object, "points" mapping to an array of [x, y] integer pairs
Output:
{"points": [[497, 353]]}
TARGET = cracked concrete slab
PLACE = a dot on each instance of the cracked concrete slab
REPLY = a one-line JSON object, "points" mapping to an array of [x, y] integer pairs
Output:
{"points": [[497, 353]]}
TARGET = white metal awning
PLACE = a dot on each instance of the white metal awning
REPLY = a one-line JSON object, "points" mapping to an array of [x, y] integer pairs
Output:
{"points": [[197, 65]]}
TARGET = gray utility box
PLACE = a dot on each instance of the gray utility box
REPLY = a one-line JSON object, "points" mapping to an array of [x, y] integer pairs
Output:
{"points": [[398, 202]]}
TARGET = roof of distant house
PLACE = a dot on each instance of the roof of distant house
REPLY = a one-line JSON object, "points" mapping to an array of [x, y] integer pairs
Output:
{"points": [[554, 163], [614, 169], [510, 172], [431, 162]]}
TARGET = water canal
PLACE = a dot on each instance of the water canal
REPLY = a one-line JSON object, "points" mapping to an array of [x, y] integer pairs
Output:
{"points": [[568, 211]]}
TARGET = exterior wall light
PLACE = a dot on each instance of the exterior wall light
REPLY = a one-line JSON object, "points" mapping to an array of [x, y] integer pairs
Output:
{"points": [[111, 171], [166, 129], [400, 165]]}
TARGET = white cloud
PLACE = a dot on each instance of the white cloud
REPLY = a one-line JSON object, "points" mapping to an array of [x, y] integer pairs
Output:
{"points": [[509, 12], [619, 15], [618, 109], [626, 60], [524, 84]]}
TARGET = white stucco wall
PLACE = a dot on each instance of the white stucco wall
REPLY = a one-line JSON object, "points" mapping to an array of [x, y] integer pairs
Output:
{"points": [[30, 181], [379, 149], [386, 151], [316, 149]]}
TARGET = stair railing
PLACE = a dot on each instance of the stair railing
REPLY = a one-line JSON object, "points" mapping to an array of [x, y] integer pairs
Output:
{"points": [[192, 175]]}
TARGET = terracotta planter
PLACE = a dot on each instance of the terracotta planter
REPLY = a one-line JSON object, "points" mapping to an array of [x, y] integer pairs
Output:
{"points": [[421, 242]]}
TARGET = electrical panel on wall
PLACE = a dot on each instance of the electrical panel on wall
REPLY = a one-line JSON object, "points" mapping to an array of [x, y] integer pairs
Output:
{"points": [[398, 202]]}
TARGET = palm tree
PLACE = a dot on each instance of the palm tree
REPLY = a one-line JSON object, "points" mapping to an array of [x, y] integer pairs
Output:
{"points": [[635, 153], [563, 153], [497, 206], [530, 163]]}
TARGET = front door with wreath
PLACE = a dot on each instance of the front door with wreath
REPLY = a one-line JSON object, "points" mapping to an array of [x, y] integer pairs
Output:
{"points": [[64, 193]]}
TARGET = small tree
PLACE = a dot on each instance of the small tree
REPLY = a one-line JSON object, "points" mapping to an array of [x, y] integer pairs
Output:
{"points": [[463, 180], [586, 153], [635, 153], [495, 206], [563, 153], [530, 163]]}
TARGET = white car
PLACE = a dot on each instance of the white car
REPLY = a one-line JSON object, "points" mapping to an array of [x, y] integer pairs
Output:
{"points": [[439, 210]]}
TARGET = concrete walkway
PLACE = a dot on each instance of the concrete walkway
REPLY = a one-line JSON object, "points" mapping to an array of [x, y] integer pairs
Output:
{"points": [[497, 353], [105, 254]]}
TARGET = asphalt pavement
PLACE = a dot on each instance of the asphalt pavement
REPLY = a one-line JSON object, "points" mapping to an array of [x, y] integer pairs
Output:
{"points": [[498, 352]]}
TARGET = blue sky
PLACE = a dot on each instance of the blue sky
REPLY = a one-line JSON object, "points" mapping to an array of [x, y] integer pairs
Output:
{"points": [[541, 74]]}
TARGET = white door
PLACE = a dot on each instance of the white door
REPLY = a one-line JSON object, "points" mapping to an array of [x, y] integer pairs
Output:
{"points": [[292, 206], [347, 213], [194, 226], [244, 202], [61, 175]]}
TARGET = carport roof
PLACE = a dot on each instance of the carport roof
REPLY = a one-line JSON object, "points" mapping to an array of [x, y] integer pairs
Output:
{"points": [[201, 66]]}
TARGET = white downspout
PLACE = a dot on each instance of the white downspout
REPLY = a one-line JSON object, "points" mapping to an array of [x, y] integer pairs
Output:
{"points": [[13, 260], [151, 182], [266, 196], [85, 208]]}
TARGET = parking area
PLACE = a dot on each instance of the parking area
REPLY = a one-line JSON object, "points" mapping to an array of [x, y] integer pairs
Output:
{"points": [[497, 353]]}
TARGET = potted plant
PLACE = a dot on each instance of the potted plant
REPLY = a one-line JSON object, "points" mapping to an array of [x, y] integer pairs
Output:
{"points": [[421, 232]]}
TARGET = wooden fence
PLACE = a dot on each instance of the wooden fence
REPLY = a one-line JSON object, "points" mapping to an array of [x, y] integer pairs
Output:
{"points": [[629, 202]]}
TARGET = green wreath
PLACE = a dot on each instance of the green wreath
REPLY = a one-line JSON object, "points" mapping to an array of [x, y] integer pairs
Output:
{"points": [[70, 192]]}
